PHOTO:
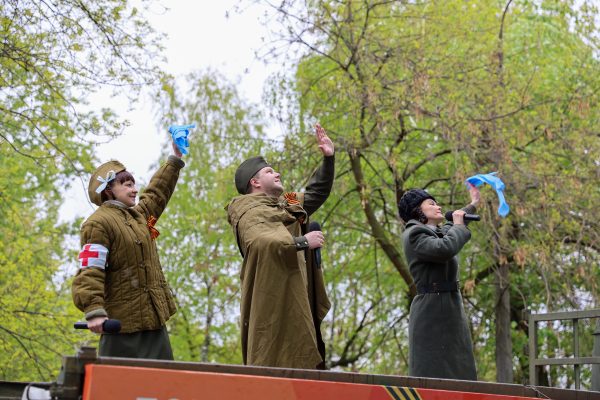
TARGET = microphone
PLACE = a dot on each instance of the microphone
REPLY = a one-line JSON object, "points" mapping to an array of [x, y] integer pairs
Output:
{"points": [[108, 326], [466, 217], [314, 226]]}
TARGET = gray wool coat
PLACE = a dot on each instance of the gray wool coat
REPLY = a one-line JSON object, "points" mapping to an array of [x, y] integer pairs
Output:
{"points": [[439, 339]]}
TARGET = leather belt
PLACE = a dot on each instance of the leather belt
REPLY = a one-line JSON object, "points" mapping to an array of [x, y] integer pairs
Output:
{"points": [[438, 287]]}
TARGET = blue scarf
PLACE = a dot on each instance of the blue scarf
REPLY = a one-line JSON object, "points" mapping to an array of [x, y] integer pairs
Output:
{"points": [[495, 182]]}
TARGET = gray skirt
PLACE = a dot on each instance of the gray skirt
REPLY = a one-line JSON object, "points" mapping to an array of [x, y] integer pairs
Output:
{"points": [[145, 344]]}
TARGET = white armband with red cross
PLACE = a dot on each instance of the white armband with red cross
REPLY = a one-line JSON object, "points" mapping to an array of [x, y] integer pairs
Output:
{"points": [[93, 255]]}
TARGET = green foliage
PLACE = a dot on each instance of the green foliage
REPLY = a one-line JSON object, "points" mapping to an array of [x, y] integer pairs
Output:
{"points": [[427, 93], [197, 247], [414, 94], [35, 313], [54, 56]]}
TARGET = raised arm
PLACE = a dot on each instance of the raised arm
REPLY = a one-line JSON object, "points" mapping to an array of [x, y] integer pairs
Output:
{"points": [[321, 182], [470, 208], [162, 185]]}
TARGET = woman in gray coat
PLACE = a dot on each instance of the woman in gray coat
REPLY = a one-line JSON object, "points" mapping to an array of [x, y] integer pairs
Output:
{"points": [[439, 339]]}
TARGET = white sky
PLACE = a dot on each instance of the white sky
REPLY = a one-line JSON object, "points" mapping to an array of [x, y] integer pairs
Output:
{"points": [[200, 35]]}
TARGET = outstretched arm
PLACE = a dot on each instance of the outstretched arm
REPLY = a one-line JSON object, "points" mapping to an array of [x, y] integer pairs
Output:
{"points": [[176, 152], [325, 143], [320, 184], [471, 208], [156, 195], [475, 195]]}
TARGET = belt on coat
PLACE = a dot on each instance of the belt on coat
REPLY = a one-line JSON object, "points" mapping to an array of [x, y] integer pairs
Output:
{"points": [[438, 287]]}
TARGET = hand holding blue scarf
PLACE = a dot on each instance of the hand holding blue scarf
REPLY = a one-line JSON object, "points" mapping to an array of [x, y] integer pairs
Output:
{"points": [[496, 183], [180, 133]]}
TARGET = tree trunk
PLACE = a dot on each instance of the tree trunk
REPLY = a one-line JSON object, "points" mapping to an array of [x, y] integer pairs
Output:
{"points": [[378, 232], [208, 325], [504, 367]]}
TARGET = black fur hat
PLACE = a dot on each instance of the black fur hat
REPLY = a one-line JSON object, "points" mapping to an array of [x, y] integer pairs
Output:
{"points": [[411, 200]]}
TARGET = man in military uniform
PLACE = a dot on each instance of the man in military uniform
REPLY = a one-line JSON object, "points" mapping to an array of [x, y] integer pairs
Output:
{"points": [[283, 294]]}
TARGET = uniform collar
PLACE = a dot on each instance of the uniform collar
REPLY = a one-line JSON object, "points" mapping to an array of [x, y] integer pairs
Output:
{"points": [[115, 203]]}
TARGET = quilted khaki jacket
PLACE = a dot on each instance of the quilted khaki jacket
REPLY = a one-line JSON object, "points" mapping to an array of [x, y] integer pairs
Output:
{"points": [[131, 287]]}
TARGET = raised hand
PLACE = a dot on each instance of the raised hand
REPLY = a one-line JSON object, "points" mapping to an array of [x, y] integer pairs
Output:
{"points": [[176, 150], [475, 195], [325, 144], [179, 134]]}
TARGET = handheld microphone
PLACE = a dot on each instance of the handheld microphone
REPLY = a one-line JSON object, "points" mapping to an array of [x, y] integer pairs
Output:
{"points": [[314, 226], [108, 326], [466, 217]]}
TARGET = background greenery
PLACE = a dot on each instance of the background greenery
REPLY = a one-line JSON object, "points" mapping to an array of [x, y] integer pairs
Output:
{"points": [[413, 94]]}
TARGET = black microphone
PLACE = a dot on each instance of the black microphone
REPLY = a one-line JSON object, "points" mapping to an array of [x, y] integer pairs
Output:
{"points": [[466, 217], [314, 226], [108, 326]]}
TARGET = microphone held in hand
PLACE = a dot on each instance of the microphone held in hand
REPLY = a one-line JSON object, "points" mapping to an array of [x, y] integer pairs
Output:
{"points": [[466, 217], [314, 226], [108, 326]]}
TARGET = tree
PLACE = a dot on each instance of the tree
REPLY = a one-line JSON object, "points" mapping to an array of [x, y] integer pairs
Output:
{"points": [[197, 246], [423, 94], [53, 57], [36, 315]]}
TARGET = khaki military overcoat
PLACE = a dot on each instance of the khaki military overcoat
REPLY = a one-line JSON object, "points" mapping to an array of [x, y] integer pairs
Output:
{"points": [[283, 296]]}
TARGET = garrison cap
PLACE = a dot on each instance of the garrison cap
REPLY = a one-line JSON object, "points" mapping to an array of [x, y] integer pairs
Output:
{"points": [[247, 170], [100, 178]]}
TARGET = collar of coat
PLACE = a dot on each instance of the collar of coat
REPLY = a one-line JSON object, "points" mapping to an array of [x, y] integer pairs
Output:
{"points": [[115, 203], [242, 204], [436, 230]]}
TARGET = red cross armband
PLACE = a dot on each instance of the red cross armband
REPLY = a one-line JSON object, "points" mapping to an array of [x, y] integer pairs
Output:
{"points": [[93, 256]]}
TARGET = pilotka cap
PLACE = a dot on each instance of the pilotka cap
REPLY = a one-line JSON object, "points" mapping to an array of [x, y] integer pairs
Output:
{"points": [[247, 170], [100, 178]]}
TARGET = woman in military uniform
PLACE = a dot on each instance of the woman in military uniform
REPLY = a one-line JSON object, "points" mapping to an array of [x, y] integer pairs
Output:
{"points": [[120, 276]]}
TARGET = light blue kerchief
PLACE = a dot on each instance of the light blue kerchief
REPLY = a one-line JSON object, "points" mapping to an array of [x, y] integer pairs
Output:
{"points": [[495, 182], [180, 136]]}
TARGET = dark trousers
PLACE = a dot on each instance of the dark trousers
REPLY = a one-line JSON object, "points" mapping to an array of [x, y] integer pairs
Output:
{"points": [[145, 344]]}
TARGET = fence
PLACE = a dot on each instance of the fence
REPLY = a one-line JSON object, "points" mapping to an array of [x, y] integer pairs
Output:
{"points": [[576, 360]]}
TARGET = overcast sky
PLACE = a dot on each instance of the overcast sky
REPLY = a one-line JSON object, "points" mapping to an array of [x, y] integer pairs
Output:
{"points": [[201, 34]]}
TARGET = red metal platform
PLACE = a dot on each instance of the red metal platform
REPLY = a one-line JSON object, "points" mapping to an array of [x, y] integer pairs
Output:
{"points": [[129, 383]]}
